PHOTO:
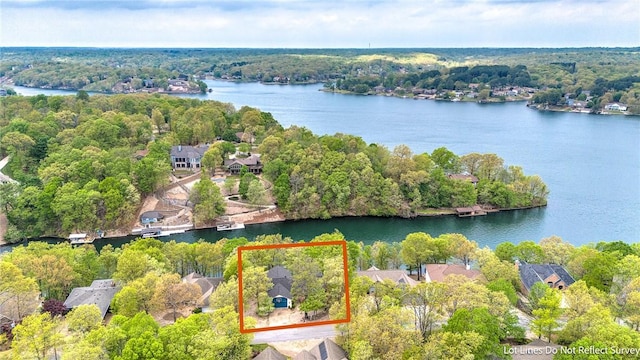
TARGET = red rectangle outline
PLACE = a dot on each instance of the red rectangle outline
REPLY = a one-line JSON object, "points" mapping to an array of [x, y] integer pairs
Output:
{"points": [[284, 246]]}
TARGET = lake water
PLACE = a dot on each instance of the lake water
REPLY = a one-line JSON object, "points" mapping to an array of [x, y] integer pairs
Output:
{"points": [[591, 163]]}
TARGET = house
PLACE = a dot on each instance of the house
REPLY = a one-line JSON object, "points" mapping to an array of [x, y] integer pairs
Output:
{"points": [[270, 354], [140, 154], [326, 350], [398, 277], [252, 163], [100, 293], [464, 177], [615, 107], [245, 137], [280, 293], [438, 272], [553, 275], [149, 217], [187, 157], [207, 285]]}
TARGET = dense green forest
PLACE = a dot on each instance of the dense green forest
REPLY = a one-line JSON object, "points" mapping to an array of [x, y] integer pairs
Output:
{"points": [[458, 318], [75, 161], [611, 74]]}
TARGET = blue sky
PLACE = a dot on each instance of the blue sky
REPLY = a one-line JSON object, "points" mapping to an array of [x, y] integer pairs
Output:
{"points": [[320, 23]]}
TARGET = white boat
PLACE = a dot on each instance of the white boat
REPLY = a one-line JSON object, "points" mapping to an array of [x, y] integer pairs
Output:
{"points": [[229, 226], [151, 232], [79, 239], [157, 232]]}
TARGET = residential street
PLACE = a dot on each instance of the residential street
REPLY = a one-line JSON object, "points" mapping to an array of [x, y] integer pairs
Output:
{"points": [[304, 333]]}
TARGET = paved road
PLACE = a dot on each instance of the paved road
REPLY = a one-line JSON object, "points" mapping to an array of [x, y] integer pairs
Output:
{"points": [[304, 333]]}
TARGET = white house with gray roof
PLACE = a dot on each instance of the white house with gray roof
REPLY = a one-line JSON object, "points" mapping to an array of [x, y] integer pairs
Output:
{"points": [[186, 157]]}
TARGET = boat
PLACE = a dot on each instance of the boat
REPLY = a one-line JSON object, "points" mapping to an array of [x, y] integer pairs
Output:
{"points": [[79, 239], [229, 225], [158, 232], [151, 232]]}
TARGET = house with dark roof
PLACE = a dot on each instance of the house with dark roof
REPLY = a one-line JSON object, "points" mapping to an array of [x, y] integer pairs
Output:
{"points": [[187, 157], [207, 285], [398, 277], [326, 350], [100, 293], [149, 217], [280, 293], [252, 163], [555, 276], [270, 354]]}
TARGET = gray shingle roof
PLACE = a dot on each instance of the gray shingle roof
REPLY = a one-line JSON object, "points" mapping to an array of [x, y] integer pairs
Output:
{"points": [[328, 350], [270, 354], [532, 273], [279, 290], [304, 355], [207, 285], [187, 151], [100, 293], [277, 272]]}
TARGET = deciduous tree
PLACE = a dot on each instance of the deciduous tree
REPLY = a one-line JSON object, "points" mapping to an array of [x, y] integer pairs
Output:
{"points": [[547, 314], [173, 294], [84, 318], [36, 337], [207, 200]]}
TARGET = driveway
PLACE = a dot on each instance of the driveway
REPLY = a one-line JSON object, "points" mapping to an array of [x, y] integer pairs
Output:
{"points": [[303, 333]]}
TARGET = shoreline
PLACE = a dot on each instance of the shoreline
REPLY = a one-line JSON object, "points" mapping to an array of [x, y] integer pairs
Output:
{"points": [[411, 96], [562, 109], [272, 219]]}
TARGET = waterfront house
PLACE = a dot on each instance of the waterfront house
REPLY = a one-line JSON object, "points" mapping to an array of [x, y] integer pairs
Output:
{"points": [[398, 277], [280, 293], [438, 272], [149, 217], [187, 157], [555, 276], [464, 177], [615, 107], [252, 163], [100, 293]]}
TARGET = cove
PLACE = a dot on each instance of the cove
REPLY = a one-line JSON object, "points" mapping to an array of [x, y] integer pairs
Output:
{"points": [[591, 163]]}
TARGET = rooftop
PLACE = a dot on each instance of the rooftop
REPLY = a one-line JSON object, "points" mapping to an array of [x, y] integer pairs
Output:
{"points": [[100, 293]]}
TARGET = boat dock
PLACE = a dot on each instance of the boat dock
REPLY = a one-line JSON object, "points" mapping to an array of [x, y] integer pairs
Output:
{"points": [[475, 210], [79, 239], [225, 224]]}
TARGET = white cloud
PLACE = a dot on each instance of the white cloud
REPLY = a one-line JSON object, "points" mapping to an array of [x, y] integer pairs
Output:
{"points": [[314, 23]]}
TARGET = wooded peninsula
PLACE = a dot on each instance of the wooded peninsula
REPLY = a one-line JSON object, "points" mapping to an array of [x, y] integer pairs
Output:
{"points": [[83, 162]]}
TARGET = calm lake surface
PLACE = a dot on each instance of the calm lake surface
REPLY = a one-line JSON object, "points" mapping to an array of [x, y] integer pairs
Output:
{"points": [[591, 163]]}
